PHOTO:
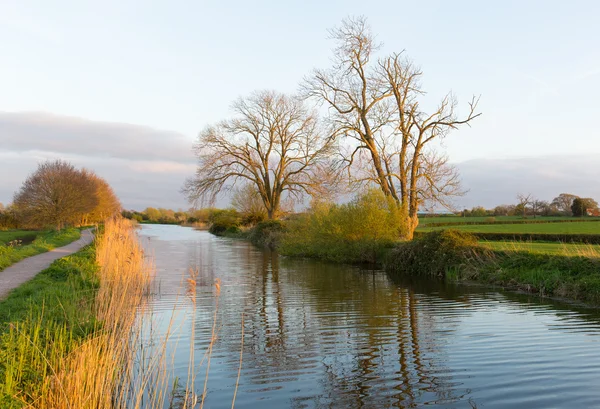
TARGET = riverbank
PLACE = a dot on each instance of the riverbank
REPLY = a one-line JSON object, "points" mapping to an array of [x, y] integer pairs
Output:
{"points": [[449, 255], [65, 335]]}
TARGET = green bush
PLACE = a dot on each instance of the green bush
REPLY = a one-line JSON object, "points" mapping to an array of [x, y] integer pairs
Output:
{"points": [[223, 219], [435, 253], [267, 234], [359, 231]]}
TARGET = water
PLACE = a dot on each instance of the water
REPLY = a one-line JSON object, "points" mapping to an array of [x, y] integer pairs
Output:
{"points": [[332, 336]]}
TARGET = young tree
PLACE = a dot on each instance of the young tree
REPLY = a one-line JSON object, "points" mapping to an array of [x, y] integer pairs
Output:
{"points": [[374, 107], [274, 143], [56, 194]]}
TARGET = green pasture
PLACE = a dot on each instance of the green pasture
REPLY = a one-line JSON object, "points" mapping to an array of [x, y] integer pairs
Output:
{"points": [[561, 249], [541, 228]]}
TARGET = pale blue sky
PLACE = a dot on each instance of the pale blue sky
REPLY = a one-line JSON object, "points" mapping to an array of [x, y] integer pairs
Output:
{"points": [[177, 65]]}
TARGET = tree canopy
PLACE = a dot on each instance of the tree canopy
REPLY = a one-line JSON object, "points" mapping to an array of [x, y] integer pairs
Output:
{"points": [[273, 143], [57, 194]]}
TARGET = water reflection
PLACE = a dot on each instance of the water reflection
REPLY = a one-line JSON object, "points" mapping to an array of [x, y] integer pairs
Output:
{"points": [[322, 335]]}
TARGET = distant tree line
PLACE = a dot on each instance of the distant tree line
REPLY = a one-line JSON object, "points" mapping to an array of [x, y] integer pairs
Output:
{"points": [[565, 204], [59, 195]]}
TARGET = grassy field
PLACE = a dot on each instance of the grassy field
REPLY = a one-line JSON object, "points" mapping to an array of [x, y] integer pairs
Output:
{"points": [[25, 235], [561, 249], [549, 228], [43, 242], [498, 219]]}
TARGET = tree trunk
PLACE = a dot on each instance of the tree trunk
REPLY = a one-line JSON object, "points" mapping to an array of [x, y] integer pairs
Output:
{"points": [[412, 222]]}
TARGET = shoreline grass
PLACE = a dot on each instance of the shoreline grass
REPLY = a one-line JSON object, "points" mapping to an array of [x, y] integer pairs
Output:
{"points": [[10, 254]]}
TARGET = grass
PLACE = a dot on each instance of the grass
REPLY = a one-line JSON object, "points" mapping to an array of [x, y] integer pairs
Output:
{"points": [[10, 254], [65, 336], [561, 249], [543, 228], [26, 236], [423, 221]]}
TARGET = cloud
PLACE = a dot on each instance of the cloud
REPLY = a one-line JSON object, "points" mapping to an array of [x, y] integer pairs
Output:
{"points": [[145, 166], [23, 132], [497, 181]]}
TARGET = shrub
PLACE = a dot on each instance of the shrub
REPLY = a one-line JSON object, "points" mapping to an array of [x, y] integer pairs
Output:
{"points": [[359, 231], [222, 220], [267, 234], [433, 254]]}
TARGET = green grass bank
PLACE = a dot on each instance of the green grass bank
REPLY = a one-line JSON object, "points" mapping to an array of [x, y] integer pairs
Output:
{"points": [[43, 320], [457, 255], [11, 252]]}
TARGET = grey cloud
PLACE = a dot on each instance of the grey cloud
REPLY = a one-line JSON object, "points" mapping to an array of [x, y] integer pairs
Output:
{"points": [[21, 132], [145, 166], [496, 181]]}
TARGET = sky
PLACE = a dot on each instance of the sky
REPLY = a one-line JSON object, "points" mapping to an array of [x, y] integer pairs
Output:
{"points": [[123, 88]]}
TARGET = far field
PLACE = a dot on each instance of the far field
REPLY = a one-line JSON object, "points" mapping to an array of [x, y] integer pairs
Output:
{"points": [[549, 228], [585, 250], [25, 235], [497, 219]]}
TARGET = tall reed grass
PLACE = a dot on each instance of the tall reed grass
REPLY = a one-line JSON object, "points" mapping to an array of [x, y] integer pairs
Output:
{"points": [[86, 341], [51, 362]]}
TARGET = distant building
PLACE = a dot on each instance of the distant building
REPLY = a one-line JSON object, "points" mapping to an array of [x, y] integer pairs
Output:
{"points": [[592, 212]]}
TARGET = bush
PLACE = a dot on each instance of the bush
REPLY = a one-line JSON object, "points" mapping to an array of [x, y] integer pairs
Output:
{"points": [[267, 234], [222, 220], [434, 254], [359, 231]]}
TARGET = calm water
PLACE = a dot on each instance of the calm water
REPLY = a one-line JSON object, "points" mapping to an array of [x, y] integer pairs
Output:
{"points": [[322, 335]]}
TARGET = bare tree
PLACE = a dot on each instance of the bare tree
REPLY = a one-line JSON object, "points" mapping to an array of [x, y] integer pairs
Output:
{"points": [[524, 201], [540, 207], [246, 200], [374, 106], [56, 194], [274, 143]]}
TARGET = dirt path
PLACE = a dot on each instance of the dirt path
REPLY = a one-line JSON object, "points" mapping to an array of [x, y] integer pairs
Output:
{"points": [[15, 275]]}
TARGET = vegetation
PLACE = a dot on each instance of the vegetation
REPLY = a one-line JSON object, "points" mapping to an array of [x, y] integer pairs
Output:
{"points": [[359, 231], [463, 221], [562, 249], [19, 236], [11, 252], [65, 335], [267, 234], [574, 227], [58, 195]]}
